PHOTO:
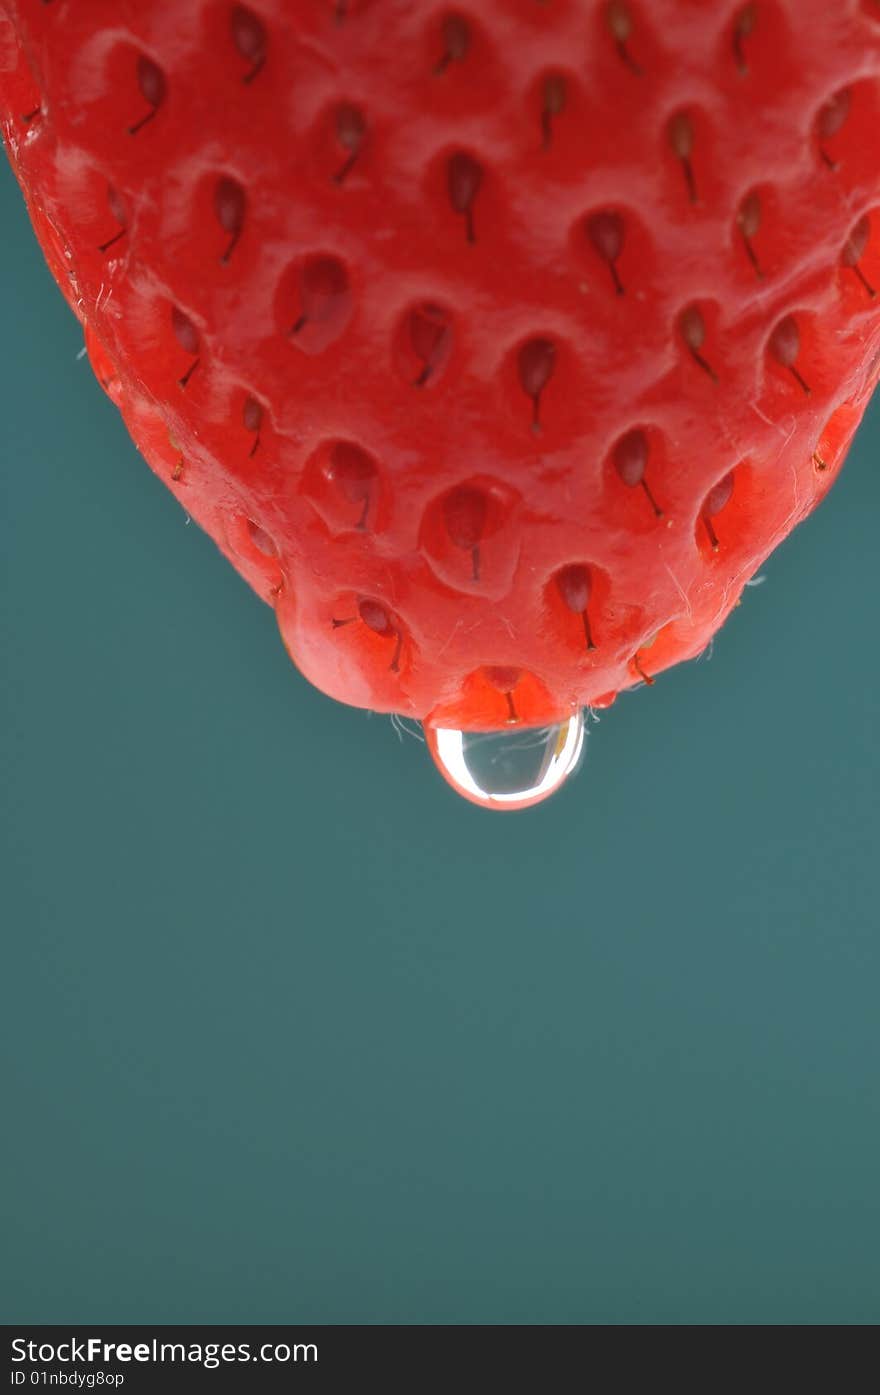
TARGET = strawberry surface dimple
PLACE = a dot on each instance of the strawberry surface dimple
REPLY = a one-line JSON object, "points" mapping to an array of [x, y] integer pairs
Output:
{"points": [[498, 345]]}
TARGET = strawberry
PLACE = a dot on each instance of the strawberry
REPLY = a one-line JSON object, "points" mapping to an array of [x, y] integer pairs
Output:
{"points": [[496, 347]]}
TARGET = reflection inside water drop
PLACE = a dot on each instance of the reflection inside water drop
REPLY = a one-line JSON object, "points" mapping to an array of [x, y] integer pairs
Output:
{"points": [[510, 768]]}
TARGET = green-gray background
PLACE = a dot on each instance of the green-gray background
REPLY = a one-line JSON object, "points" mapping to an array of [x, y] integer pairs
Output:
{"points": [[293, 1034]]}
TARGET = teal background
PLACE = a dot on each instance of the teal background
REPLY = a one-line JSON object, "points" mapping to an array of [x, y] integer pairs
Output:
{"points": [[290, 1033]]}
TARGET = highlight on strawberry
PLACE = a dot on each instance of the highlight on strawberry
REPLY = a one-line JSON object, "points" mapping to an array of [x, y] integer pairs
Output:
{"points": [[495, 344]]}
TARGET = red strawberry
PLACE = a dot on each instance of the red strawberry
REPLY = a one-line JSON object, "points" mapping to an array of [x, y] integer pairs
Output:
{"points": [[496, 347]]}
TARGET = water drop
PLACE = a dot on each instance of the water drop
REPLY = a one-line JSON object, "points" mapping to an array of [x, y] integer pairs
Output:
{"points": [[508, 769]]}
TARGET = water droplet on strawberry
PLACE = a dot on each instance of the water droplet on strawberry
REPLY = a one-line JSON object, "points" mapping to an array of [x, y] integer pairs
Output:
{"points": [[510, 768]]}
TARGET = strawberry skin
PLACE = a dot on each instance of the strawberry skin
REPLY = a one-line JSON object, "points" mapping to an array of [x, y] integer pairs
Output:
{"points": [[496, 347]]}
